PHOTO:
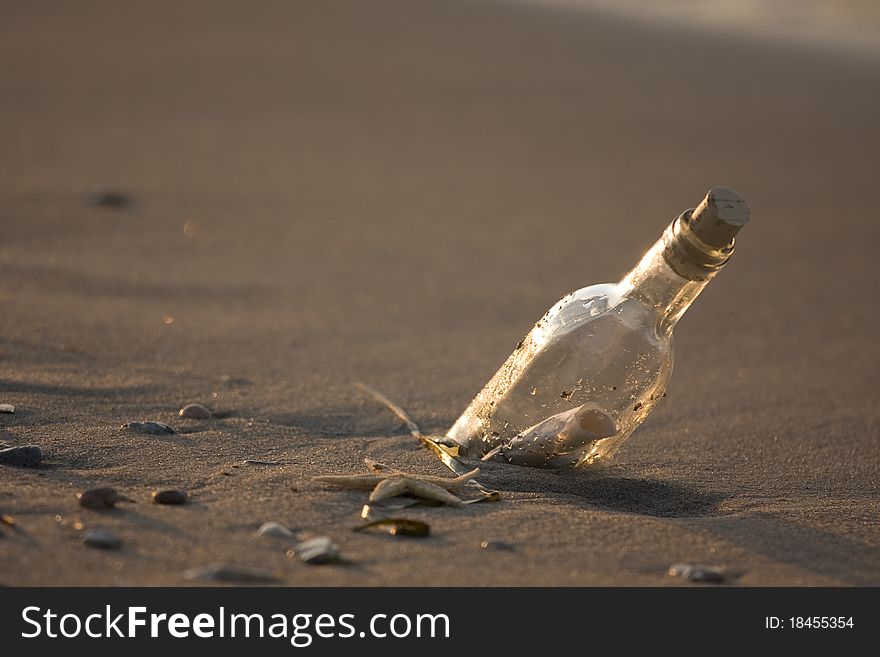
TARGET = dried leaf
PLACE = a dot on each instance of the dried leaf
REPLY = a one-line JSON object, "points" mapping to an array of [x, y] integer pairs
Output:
{"points": [[398, 527]]}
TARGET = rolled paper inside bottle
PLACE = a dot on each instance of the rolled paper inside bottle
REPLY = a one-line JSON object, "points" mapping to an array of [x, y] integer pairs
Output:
{"points": [[587, 425], [559, 434]]}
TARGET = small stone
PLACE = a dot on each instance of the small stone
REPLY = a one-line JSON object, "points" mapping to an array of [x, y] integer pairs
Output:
{"points": [[7, 408], [195, 412], [101, 499], [275, 530], [170, 496], [697, 573], [234, 380], [493, 544], [151, 428], [102, 538], [220, 572], [24, 456], [316, 551], [108, 198]]}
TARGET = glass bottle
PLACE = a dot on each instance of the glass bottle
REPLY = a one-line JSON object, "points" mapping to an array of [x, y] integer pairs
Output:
{"points": [[593, 368]]}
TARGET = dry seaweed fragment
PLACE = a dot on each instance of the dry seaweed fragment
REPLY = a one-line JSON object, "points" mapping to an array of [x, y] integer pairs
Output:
{"points": [[398, 527], [397, 486], [370, 481], [446, 453]]}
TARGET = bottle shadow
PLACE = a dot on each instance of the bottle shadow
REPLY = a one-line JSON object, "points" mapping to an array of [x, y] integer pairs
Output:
{"points": [[607, 490]]}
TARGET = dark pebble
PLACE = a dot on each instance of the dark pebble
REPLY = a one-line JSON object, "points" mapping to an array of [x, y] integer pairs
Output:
{"points": [[100, 499], [151, 428], [102, 538], [108, 198], [24, 456], [233, 574], [169, 497]]}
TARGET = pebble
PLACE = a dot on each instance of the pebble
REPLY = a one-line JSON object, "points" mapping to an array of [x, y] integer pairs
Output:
{"points": [[195, 412], [102, 538], [100, 499], [25, 456], [151, 428], [695, 573], [275, 530], [234, 380], [108, 198], [7, 408], [220, 572], [320, 550], [501, 546], [169, 496]]}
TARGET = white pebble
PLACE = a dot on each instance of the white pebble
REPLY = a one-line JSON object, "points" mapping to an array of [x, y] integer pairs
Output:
{"points": [[319, 550], [275, 530], [195, 412]]}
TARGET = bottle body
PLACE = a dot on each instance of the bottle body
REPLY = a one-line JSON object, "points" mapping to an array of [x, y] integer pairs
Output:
{"points": [[595, 346], [604, 350]]}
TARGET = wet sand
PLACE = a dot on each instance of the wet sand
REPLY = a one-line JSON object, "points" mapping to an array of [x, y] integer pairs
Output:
{"points": [[393, 193]]}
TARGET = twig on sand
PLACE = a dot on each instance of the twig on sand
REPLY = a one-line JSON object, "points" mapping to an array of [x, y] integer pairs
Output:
{"points": [[448, 455], [370, 481]]}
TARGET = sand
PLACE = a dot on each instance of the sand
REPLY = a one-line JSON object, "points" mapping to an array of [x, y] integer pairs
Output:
{"points": [[393, 192]]}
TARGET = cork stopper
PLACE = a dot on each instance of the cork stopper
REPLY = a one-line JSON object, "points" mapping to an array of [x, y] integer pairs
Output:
{"points": [[719, 217]]}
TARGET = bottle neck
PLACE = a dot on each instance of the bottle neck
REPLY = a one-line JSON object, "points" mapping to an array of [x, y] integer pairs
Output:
{"points": [[674, 272]]}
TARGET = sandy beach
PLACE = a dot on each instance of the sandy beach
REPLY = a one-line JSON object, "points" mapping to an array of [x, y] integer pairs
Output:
{"points": [[393, 192]]}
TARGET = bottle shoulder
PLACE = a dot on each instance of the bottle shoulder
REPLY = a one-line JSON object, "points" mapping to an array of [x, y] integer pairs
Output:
{"points": [[599, 303]]}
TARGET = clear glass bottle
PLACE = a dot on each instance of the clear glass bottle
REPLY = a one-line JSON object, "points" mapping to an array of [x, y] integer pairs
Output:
{"points": [[593, 368]]}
